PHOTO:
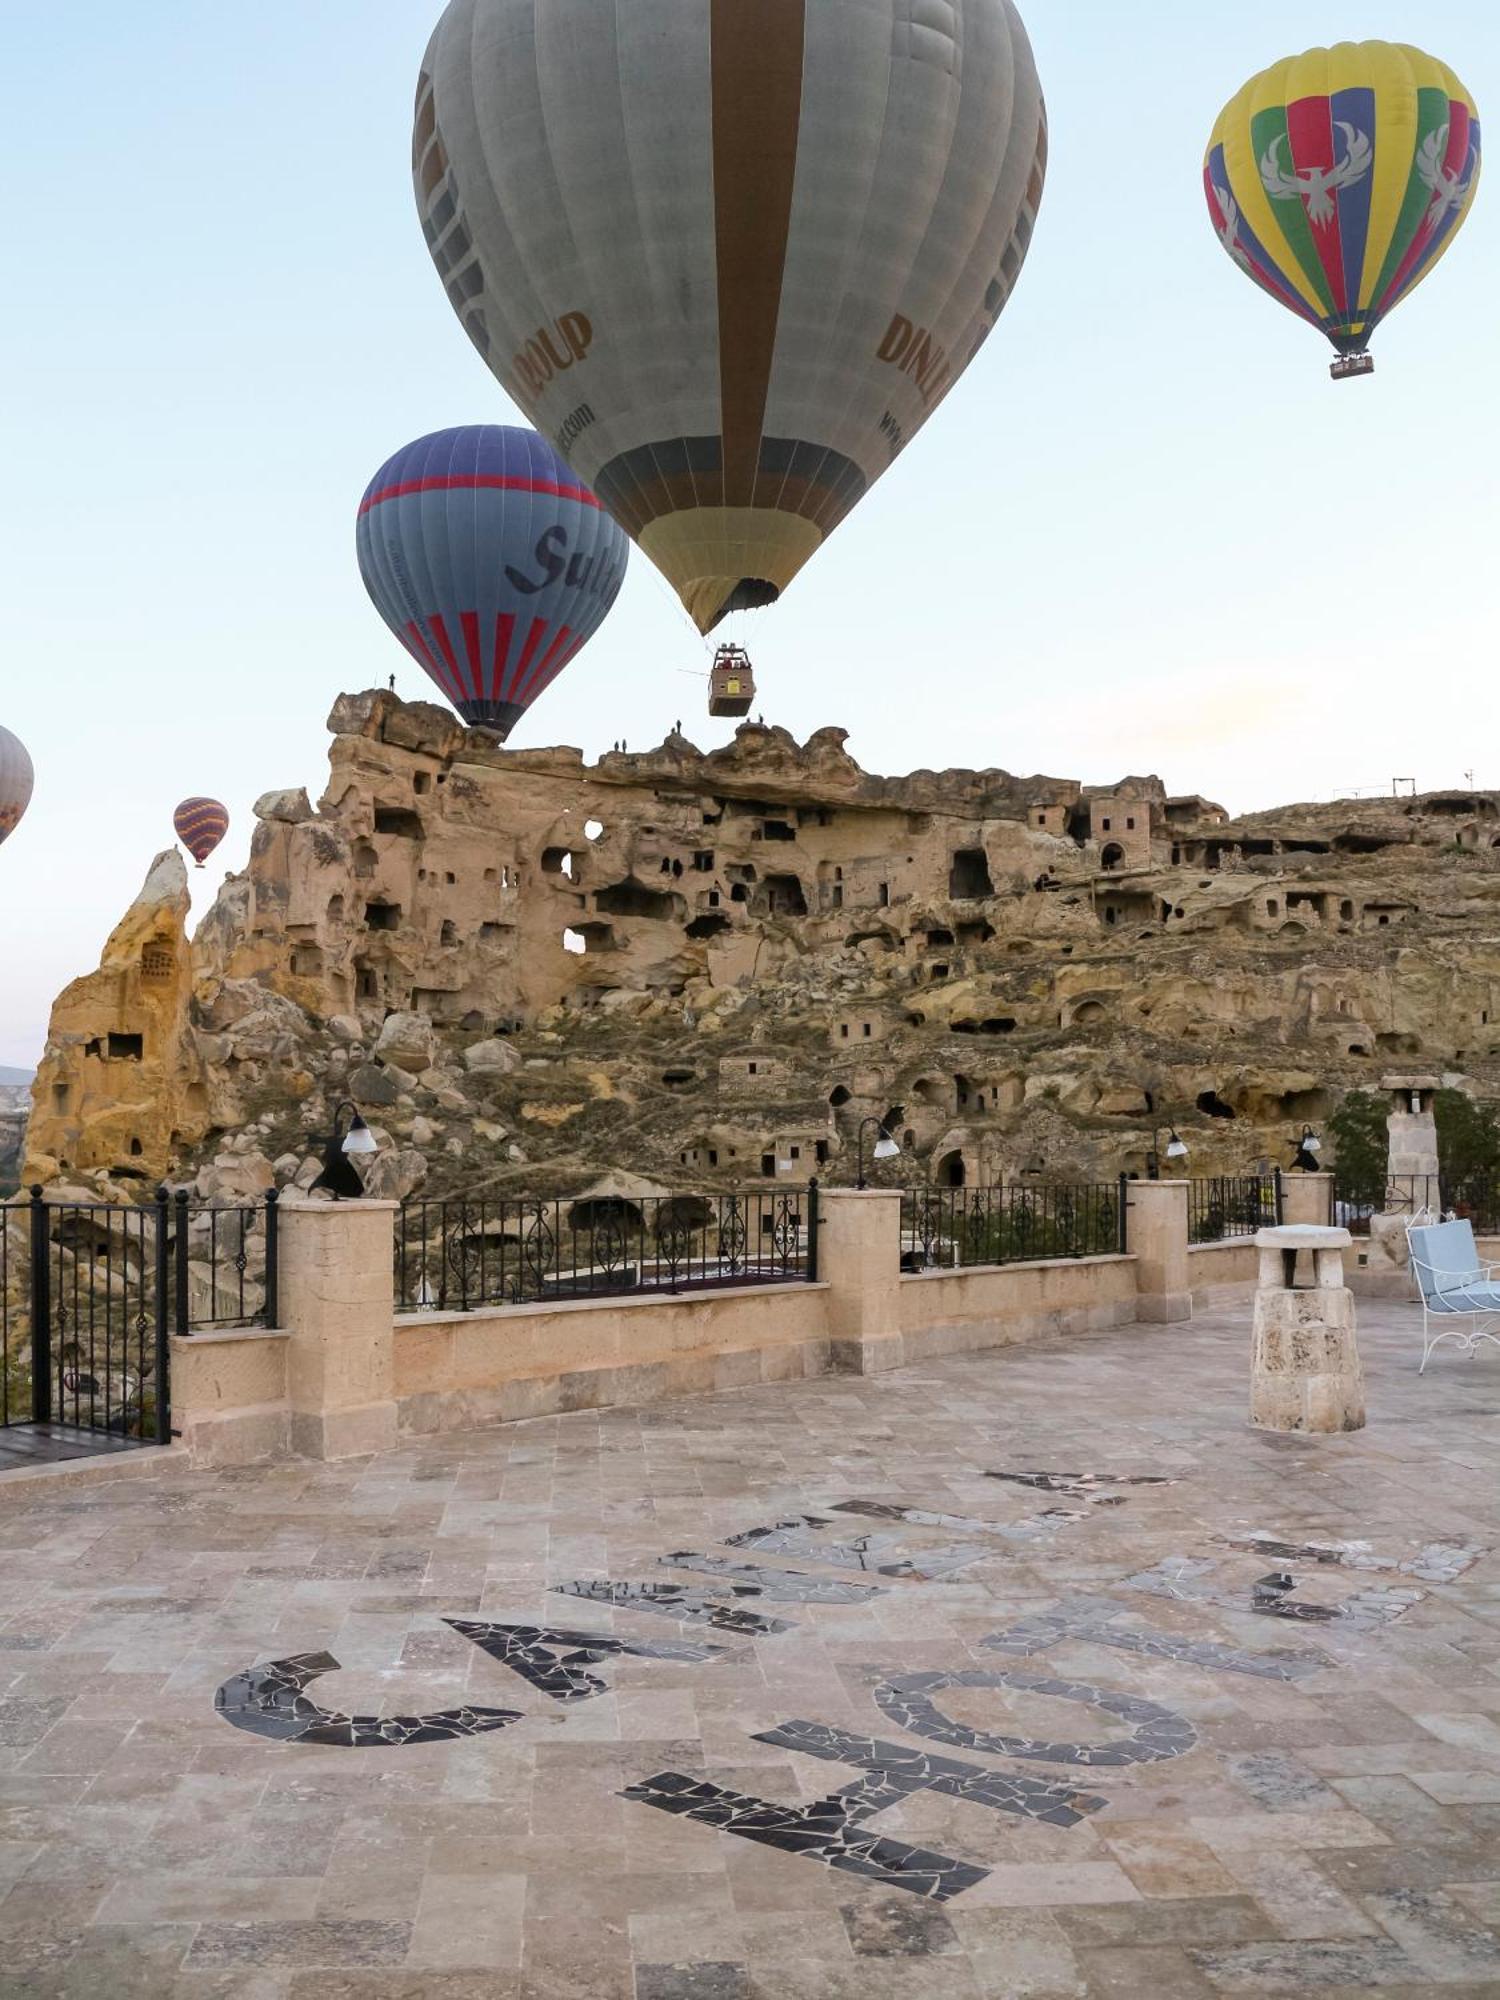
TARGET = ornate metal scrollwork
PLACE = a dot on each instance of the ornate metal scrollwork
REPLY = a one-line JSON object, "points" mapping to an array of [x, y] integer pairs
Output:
{"points": [[463, 1252], [674, 1241], [609, 1251], [732, 1236], [538, 1253], [786, 1231]]}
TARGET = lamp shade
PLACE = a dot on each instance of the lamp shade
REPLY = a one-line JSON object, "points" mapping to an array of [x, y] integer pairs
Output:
{"points": [[359, 1138], [886, 1148]]}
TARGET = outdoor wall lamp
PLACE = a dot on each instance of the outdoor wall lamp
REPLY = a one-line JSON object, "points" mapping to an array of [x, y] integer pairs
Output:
{"points": [[1306, 1150], [1175, 1149], [343, 1144], [885, 1146]]}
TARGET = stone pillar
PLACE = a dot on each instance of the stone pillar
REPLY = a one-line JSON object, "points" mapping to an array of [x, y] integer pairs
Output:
{"points": [[1306, 1374], [1307, 1198], [1156, 1235], [859, 1258], [337, 1298]]}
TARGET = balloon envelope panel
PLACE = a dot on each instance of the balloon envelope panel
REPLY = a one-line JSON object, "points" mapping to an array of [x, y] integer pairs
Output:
{"points": [[1338, 179], [200, 824], [16, 781], [729, 257], [491, 562]]}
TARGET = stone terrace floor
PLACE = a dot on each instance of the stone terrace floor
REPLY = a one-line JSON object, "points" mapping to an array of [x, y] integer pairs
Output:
{"points": [[1153, 1785]]}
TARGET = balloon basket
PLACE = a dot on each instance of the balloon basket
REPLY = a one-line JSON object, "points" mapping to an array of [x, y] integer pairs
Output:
{"points": [[1349, 367]]}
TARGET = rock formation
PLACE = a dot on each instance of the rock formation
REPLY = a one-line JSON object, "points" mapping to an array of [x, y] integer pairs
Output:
{"points": [[704, 969]]}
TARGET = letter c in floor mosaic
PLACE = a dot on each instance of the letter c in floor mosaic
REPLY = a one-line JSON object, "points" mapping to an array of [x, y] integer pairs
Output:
{"points": [[271, 1701]]}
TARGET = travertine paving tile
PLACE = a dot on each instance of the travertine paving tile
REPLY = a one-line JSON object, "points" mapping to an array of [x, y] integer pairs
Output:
{"points": [[838, 1690]]}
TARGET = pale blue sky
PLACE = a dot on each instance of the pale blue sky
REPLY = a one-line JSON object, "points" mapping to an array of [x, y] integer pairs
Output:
{"points": [[1145, 533]]}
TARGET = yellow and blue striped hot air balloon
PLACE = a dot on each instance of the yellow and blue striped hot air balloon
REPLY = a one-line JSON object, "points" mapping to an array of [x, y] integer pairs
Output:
{"points": [[1337, 179]]}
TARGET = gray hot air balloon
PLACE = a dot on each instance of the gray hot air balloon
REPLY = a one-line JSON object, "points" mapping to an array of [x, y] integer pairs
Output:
{"points": [[729, 257], [16, 779]]}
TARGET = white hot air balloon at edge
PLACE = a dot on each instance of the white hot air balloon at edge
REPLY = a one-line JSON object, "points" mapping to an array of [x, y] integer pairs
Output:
{"points": [[16, 781], [729, 257]]}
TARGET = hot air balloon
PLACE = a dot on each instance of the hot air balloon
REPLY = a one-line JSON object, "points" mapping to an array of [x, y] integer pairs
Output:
{"points": [[729, 258], [16, 778], [200, 824], [1337, 179], [491, 562]]}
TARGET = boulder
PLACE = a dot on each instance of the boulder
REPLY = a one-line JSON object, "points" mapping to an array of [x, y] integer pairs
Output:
{"points": [[291, 807], [371, 1086], [407, 1041], [496, 1057], [394, 1174], [235, 1178]]}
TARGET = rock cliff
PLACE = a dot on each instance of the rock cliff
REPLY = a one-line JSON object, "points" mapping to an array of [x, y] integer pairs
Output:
{"points": [[703, 969]]}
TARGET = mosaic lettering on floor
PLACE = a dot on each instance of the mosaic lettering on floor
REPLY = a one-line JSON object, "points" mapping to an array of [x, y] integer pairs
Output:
{"points": [[271, 1700], [1184, 1579], [557, 1662], [676, 1600]]}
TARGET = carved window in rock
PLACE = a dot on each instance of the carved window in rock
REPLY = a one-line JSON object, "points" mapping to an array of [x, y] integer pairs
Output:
{"points": [[157, 963]]}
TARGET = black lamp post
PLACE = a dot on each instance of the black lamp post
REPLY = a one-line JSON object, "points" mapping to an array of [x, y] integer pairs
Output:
{"points": [[885, 1146], [1175, 1149], [1305, 1151], [343, 1143]]}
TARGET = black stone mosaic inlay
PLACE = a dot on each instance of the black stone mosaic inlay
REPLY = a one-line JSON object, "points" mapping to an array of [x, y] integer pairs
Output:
{"points": [[1090, 1618], [1081, 1485], [781, 1586], [270, 1701], [677, 1600], [1157, 1733], [1029, 1530], [826, 1830], [557, 1662], [921, 1771], [1274, 1596], [1439, 1562], [873, 1553]]}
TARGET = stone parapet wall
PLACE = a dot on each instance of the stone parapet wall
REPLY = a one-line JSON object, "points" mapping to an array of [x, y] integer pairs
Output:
{"points": [[1221, 1273], [348, 1377]]}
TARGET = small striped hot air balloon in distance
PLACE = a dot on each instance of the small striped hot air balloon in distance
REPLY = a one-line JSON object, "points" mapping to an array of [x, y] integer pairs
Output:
{"points": [[492, 563], [16, 779], [200, 824], [1339, 179]]}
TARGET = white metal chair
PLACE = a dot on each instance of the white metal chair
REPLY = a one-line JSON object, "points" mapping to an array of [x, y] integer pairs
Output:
{"points": [[1454, 1285]]}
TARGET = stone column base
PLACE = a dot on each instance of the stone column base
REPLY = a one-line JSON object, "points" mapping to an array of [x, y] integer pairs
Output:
{"points": [[357, 1433], [1307, 1374]]}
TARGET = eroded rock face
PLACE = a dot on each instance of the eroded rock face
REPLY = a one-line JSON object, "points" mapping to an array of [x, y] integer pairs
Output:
{"points": [[708, 969]]}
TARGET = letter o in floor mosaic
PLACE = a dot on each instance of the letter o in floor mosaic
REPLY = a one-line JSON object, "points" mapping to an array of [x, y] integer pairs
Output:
{"points": [[1157, 1733]]}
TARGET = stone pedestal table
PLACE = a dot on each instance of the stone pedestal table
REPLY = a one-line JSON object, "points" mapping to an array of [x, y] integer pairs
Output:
{"points": [[1306, 1374]]}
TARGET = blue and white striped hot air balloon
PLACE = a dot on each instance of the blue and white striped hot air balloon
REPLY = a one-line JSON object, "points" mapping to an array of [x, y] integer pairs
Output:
{"points": [[491, 562]]}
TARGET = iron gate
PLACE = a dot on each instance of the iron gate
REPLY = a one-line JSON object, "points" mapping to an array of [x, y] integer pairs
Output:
{"points": [[90, 1295]]}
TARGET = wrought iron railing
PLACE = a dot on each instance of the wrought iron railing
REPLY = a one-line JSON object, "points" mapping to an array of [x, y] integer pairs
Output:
{"points": [[455, 1255], [1231, 1206], [1472, 1197], [224, 1262], [91, 1292], [957, 1228]]}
